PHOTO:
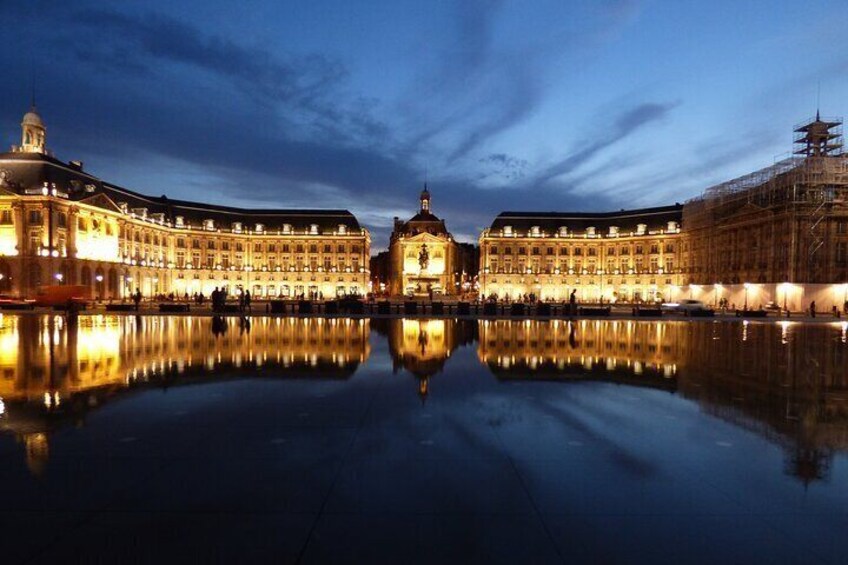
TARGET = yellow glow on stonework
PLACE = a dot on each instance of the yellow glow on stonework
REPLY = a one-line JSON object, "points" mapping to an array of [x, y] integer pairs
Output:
{"points": [[97, 247], [8, 241]]}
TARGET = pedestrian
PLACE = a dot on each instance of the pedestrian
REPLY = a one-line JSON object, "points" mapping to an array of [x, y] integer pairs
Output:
{"points": [[216, 299], [137, 299], [813, 309], [247, 300], [241, 300], [572, 302]]}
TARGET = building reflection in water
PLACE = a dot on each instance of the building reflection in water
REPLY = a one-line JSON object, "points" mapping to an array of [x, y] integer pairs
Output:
{"points": [[54, 370], [784, 381], [422, 347], [636, 353]]}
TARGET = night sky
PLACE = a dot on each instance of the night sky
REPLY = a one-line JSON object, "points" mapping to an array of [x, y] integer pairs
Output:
{"points": [[526, 105]]}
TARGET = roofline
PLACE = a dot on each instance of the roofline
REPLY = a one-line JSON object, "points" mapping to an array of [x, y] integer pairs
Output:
{"points": [[590, 215], [190, 205], [159, 201]]}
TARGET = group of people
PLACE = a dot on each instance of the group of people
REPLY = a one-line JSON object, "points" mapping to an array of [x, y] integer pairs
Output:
{"points": [[219, 300]]}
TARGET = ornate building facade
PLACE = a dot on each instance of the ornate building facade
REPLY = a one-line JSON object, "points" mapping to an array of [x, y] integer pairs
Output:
{"points": [[632, 255], [61, 225], [423, 255]]}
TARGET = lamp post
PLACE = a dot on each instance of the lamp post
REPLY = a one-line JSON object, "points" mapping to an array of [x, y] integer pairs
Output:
{"points": [[747, 286]]}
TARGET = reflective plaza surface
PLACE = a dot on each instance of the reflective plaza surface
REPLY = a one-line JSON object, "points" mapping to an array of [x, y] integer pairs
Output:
{"points": [[194, 439]]}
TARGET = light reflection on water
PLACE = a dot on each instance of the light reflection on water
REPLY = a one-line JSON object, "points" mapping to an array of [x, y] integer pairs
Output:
{"points": [[785, 381]]}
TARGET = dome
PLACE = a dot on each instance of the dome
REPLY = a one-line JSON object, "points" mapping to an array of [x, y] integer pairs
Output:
{"points": [[32, 118]]}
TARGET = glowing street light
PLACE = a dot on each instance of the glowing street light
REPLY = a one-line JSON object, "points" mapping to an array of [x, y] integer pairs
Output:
{"points": [[747, 286]]}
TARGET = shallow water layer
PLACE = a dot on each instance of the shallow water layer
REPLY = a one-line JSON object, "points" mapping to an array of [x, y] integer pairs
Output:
{"points": [[338, 440]]}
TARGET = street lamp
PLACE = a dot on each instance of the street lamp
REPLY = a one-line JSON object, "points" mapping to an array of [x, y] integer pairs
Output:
{"points": [[747, 286]]}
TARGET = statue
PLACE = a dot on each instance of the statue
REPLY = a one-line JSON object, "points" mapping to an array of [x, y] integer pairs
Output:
{"points": [[423, 257]]}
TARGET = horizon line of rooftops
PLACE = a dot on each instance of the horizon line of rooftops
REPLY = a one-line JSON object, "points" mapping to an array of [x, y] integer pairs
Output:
{"points": [[163, 210], [71, 181]]}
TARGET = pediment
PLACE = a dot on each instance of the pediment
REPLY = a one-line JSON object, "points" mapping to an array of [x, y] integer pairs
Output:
{"points": [[425, 237], [101, 201]]}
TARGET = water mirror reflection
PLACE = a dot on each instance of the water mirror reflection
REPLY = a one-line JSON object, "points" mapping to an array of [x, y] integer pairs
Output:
{"points": [[658, 400]]}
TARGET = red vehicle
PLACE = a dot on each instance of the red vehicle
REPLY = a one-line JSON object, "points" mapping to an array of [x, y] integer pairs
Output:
{"points": [[62, 294]]}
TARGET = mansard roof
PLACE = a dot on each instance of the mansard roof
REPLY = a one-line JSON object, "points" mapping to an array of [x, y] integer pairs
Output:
{"points": [[27, 171], [625, 220]]}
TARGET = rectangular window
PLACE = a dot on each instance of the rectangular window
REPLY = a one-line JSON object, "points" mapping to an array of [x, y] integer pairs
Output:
{"points": [[6, 217]]}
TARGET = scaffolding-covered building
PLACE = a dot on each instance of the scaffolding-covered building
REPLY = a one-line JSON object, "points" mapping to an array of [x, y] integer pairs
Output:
{"points": [[779, 234]]}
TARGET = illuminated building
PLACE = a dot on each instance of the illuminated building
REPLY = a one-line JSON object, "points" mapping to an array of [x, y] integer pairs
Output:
{"points": [[424, 259], [779, 234], [624, 256], [61, 225]]}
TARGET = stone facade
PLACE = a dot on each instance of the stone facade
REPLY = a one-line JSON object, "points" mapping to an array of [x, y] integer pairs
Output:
{"points": [[61, 225]]}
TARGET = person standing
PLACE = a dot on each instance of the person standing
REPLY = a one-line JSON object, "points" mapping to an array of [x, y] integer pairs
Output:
{"points": [[137, 298], [572, 302], [247, 300], [813, 309]]}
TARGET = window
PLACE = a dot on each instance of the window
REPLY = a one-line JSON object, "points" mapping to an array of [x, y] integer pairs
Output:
{"points": [[842, 253], [655, 248], [62, 220], [225, 245], [195, 244], [210, 244], [328, 248], [82, 224], [5, 217]]}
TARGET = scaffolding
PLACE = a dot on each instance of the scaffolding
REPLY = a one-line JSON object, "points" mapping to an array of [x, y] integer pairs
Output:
{"points": [[773, 224]]}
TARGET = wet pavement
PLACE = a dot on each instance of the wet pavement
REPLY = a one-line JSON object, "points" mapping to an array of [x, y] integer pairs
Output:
{"points": [[422, 441]]}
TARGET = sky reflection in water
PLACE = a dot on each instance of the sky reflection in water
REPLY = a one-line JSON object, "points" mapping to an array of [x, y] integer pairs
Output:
{"points": [[599, 419]]}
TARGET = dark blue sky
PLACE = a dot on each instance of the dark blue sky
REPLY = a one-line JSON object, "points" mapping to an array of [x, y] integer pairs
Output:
{"points": [[531, 105]]}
